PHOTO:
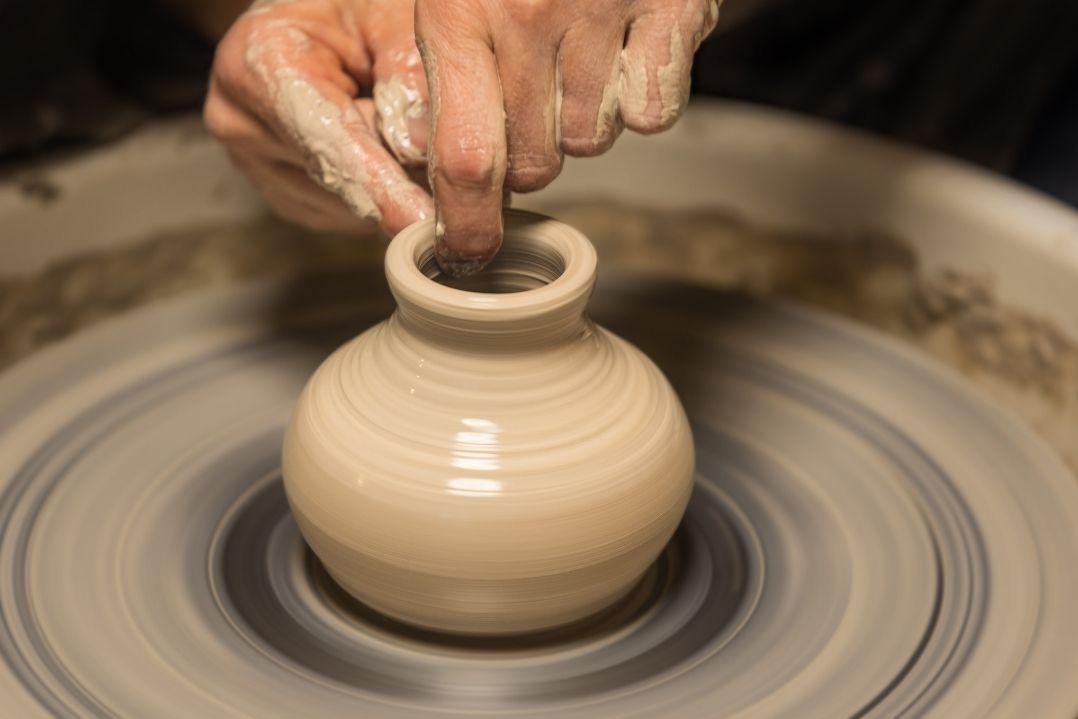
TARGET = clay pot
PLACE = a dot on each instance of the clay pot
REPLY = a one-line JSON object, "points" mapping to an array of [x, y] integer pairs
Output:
{"points": [[488, 460]]}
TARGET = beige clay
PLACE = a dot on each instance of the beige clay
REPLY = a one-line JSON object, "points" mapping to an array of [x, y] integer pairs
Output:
{"points": [[489, 461]]}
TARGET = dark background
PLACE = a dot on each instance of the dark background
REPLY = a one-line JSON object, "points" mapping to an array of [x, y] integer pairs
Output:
{"points": [[991, 81]]}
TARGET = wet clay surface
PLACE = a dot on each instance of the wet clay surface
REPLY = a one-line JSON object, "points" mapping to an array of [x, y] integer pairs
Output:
{"points": [[489, 463], [1022, 362]]}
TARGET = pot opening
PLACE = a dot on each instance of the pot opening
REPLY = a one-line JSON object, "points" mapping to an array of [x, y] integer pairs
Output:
{"points": [[522, 264]]}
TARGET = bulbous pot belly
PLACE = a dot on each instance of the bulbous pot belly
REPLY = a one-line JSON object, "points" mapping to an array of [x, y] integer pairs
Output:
{"points": [[489, 461], [523, 547]]}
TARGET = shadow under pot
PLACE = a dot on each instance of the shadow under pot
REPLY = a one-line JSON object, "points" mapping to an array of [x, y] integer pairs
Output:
{"points": [[487, 460]]}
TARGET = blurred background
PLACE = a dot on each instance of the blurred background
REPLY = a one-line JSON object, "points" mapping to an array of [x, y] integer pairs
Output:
{"points": [[990, 81]]}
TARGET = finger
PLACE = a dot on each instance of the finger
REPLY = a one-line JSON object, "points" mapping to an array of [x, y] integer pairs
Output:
{"points": [[400, 85], [528, 69], [295, 197], [343, 154], [467, 148], [656, 63], [311, 35], [590, 79], [239, 130]]}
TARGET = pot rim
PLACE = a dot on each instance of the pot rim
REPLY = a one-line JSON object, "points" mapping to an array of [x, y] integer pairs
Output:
{"points": [[416, 291]]}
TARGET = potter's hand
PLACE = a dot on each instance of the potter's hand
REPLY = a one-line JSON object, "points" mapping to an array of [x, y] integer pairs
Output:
{"points": [[283, 98], [568, 74]]}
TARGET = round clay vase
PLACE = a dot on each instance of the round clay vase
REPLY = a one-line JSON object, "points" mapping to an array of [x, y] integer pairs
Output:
{"points": [[488, 460]]}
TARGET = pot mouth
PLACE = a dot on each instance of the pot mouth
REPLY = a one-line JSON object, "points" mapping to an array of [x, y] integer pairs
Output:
{"points": [[519, 267], [545, 269]]}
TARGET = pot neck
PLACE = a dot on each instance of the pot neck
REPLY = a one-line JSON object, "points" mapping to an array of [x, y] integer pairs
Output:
{"points": [[534, 292]]}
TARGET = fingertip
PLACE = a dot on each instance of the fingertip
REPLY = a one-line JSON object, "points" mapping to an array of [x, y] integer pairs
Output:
{"points": [[524, 176], [591, 146], [460, 254]]}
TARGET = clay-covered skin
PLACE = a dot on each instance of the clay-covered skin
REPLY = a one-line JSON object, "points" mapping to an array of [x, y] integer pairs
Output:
{"points": [[327, 105], [517, 84], [323, 105], [489, 462]]}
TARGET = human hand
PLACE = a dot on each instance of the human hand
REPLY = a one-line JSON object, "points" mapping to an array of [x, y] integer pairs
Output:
{"points": [[516, 83], [284, 99]]}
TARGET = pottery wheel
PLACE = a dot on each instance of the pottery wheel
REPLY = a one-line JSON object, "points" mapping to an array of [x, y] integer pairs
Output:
{"points": [[867, 537]]}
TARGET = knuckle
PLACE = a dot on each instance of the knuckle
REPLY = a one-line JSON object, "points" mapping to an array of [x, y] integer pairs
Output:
{"points": [[470, 164], [217, 119], [474, 170], [229, 61]]}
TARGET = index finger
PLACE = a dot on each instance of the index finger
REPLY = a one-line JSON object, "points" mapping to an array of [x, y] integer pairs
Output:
{"points": [[468, 146], [303, 92]]}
